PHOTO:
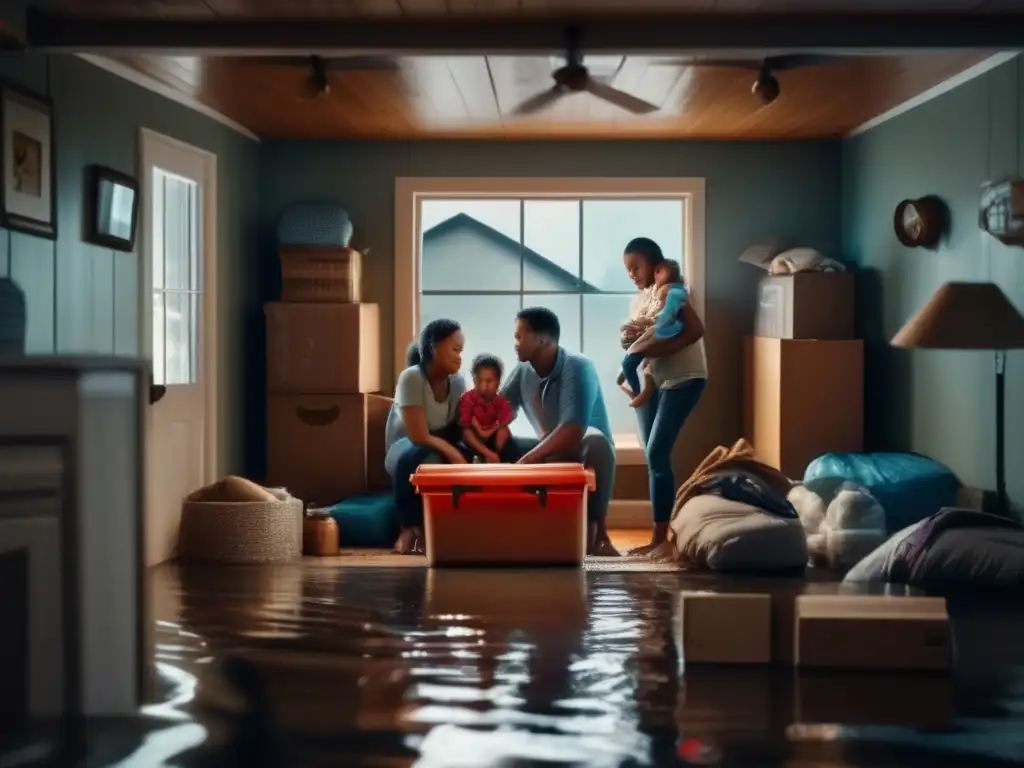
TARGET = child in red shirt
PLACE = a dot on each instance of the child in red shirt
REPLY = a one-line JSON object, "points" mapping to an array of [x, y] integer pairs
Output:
{"points": [[484, 415]]}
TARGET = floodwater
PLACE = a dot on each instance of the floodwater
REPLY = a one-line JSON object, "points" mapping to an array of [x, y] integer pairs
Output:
{"points": [[311, 665]]}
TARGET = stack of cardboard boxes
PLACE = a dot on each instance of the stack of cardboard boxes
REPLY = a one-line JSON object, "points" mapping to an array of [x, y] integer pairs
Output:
{"points": [[804, 371], [325, 428]]}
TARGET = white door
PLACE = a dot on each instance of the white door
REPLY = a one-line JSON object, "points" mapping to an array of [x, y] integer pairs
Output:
{"points": [[178, 188]]}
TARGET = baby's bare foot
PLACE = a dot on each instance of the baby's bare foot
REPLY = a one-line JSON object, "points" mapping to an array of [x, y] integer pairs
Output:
{"points": [[642, 398]]}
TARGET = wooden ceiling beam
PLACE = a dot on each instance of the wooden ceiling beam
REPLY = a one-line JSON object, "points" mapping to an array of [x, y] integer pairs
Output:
{"points": [[641, 34]]}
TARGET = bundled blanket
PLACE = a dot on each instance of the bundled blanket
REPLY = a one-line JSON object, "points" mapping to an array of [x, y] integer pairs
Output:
{"points": [[737, 462], [732, 473]]}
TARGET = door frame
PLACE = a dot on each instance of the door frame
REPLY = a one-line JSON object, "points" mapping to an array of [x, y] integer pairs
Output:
{"points": [[149, 142]]}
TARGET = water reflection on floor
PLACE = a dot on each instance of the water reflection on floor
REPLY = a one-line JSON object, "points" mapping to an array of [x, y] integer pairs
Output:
{"points": [[382, 667]]}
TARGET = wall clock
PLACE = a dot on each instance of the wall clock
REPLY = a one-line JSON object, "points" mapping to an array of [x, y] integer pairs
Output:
{"points": [[919, 223]]}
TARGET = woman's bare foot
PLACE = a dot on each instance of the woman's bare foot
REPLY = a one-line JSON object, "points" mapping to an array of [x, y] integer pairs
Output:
{"points": [[643, 397], [406, 542], [658, 537], [411, 541]]}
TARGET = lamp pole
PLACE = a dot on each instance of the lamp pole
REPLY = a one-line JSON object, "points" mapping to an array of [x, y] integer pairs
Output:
{"points": [[1002, 500]]}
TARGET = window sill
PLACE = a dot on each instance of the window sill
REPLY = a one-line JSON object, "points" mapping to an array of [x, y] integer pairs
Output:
{"points": [[628, 452]]}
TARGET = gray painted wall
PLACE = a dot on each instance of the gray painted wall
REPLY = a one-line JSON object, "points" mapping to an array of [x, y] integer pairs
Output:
{"points": [[790, 189], [83, 298], [939, 403]]}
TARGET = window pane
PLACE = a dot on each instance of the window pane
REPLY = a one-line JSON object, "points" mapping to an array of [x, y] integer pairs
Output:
{"points": [[602, 316], [609, 224], [470, 245], [488, 323], [567, 307], [551, 234], [157, 235], [179, 340], [159, 316], [179, 224]]}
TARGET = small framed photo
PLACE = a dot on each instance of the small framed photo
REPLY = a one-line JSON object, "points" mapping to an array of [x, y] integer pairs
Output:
{"points": [[28, 194], [113, 208]]}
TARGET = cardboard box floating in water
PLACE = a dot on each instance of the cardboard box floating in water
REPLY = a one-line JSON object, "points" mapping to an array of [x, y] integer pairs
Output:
{"points": [[725, 628], [907, 633]]}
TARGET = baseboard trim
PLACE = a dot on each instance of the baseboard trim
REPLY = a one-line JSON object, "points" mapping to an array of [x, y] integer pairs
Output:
{"points": [[629, 514]]}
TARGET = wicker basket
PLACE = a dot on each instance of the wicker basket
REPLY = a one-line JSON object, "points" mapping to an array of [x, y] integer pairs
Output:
{"points": [[241, 532]]}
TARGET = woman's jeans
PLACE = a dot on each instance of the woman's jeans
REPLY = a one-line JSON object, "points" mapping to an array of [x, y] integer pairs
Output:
{"points": [[659, 422], [401, 461]]}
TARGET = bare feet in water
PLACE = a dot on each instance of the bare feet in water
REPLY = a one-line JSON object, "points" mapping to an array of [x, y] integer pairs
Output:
{"points": [[658, 537]]}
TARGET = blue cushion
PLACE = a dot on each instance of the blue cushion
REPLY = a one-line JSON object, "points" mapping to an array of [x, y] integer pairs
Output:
{"points": [[909, 487], [369, 520]]}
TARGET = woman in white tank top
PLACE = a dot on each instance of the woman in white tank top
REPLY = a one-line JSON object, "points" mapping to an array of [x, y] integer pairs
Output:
{"points": [[679, 369]]}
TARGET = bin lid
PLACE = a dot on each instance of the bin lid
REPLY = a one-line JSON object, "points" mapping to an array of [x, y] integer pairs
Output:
{"points": [[440, 476]]}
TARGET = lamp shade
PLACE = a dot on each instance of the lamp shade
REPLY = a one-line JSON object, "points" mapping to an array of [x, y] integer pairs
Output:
{"points": [[964, 316]]}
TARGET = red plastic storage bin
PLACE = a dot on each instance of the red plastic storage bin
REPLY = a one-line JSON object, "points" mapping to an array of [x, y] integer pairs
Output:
{"points": [[504, 514]]}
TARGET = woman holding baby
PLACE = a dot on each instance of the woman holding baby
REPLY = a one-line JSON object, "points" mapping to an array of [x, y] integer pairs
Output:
{"points": [[665, 332]]}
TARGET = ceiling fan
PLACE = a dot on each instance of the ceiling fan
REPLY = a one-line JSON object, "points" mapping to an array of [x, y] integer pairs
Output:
{"points": [[317, 83], [765, 86], [574, 77]]}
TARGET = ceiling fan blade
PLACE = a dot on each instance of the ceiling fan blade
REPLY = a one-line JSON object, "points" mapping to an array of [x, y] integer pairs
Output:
{"points": [[752, 64], [362, 63], [801, 60], [619, 98], [539, 102]]}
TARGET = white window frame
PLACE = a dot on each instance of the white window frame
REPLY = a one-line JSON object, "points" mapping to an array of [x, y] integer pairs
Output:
{"points": [[410, 192]]}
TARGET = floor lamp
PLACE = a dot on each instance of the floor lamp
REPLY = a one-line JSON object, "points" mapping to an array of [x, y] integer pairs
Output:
{"points": [[972, 316]]}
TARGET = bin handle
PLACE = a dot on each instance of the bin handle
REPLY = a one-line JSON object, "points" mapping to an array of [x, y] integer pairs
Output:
{"points": [[458, 491]]}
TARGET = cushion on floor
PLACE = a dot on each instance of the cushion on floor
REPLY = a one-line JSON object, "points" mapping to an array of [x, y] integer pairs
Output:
{"points": [[959, 558], [908, 486], [723, 535], [368, 520]]}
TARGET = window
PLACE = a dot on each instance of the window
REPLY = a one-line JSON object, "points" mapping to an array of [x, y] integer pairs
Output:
{"points": [[177, 288], [483, 249]]}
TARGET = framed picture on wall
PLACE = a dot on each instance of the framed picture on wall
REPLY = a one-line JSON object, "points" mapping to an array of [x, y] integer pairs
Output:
{"points": [[113, 208], [28, 193]]}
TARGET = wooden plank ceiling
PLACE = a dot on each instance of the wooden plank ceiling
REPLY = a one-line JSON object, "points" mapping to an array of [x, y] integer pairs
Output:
{"points": [[473, 96]]}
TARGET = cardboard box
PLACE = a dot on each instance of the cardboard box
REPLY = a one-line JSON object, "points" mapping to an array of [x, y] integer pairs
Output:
{"points": [[322, 348], [724, 628], [377, 409], [807, 305], [317, 445], [910, 633], [310, 273]]}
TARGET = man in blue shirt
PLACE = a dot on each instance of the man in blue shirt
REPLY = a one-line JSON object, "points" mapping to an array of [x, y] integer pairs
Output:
{"points": [[561, 396]]}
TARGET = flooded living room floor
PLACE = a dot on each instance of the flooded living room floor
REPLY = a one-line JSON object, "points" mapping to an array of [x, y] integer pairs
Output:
{"points": [[371, 666]]}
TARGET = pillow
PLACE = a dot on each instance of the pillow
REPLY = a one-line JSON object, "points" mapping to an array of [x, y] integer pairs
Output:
{"points": [[968, 557], [723, 535]]}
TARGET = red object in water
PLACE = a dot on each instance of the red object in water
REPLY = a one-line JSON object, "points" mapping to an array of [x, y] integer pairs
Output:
{"points": [[504, 514], [696, 752]]}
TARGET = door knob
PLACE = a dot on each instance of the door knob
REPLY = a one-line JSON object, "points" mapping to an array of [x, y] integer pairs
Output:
{"points": [[156, 393]]}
